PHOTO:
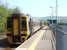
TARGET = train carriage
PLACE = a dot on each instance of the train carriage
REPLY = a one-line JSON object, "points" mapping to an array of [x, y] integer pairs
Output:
{"points": [[17, 28]]}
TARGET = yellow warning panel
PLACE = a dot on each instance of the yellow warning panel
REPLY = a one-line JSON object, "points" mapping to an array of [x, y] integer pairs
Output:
{"points": [[15, 26]]}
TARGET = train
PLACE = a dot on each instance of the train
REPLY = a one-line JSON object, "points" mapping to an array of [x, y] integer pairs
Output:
{"points": [[18, 28]]}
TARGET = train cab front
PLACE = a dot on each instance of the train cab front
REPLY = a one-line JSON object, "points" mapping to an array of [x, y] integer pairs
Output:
{"points": [[24, 29], [17, 29]]}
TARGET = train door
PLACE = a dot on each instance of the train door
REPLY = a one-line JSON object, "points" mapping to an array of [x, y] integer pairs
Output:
{"points": [[16, 31]]}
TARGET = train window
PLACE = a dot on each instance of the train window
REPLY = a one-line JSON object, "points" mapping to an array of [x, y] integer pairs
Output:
{"points": [[9, 24], [24, 27]]}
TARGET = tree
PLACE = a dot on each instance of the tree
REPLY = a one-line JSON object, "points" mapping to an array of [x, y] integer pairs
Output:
{"points": [[4, 12]]}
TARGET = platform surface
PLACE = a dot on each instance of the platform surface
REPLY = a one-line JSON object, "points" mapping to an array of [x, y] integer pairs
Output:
{"points": [[42, 40]]}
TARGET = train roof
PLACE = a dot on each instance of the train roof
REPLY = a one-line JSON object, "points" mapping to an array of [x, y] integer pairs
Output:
{"points": [[17, 15]]}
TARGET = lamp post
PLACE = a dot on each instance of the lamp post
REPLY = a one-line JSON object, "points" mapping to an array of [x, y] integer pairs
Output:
{"points": [[51, 14], [56, 10], [56, 22]]}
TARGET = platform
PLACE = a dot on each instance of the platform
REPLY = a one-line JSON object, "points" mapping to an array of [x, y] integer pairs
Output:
{"points": [[42, 40]]}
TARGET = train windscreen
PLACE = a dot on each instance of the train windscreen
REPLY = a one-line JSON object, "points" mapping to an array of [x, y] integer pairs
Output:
{"points": [[9, 24], [24, 27]]}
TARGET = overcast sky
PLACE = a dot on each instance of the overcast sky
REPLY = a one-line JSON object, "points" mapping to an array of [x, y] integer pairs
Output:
{"points": [[38, 8]]}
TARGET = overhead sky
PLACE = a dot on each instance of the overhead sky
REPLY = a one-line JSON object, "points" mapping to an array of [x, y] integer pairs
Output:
{"points": [[38, 8]]}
